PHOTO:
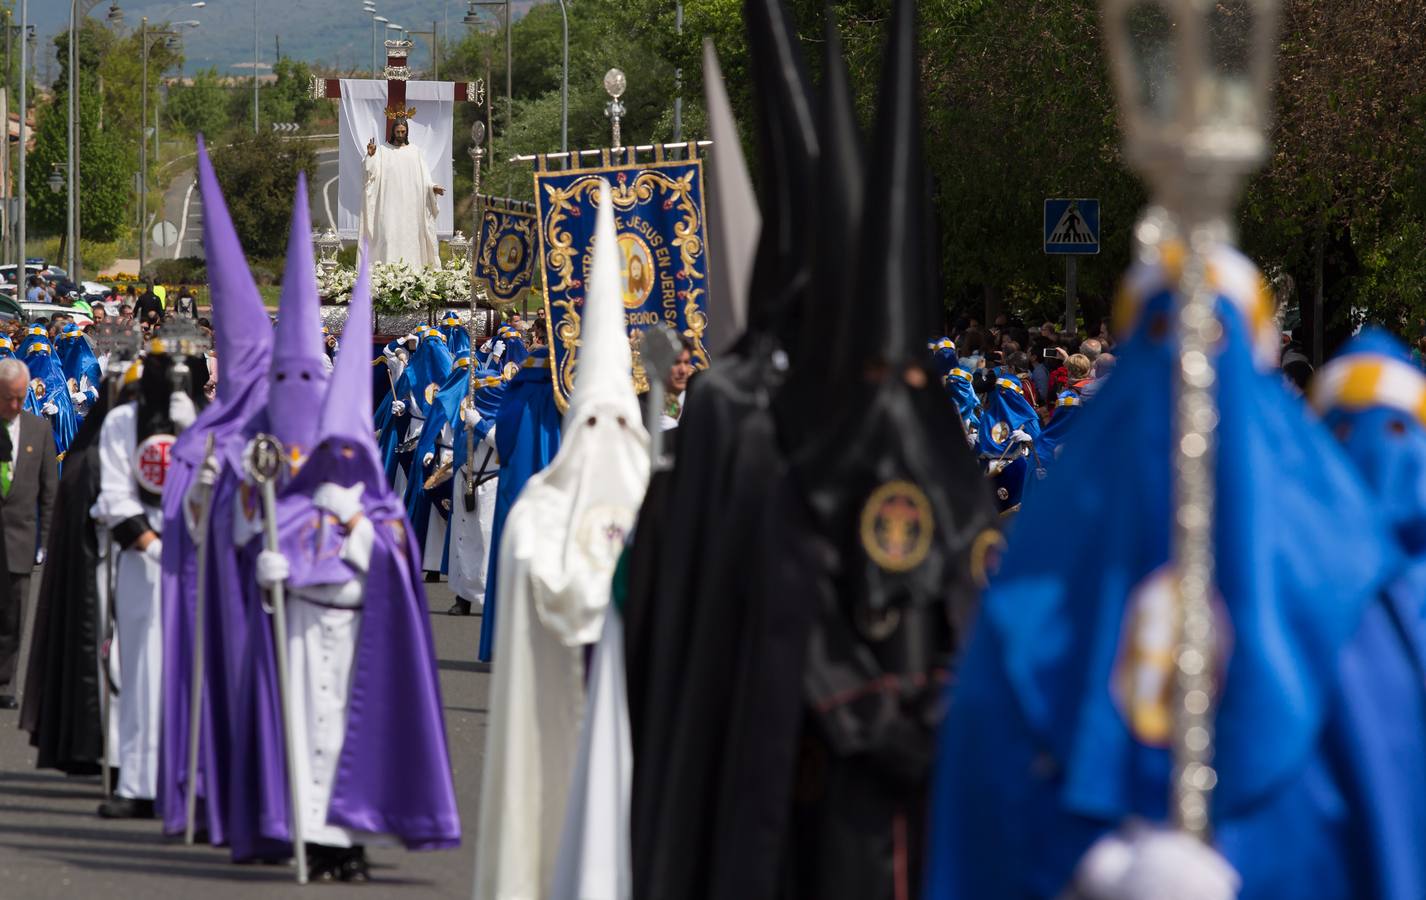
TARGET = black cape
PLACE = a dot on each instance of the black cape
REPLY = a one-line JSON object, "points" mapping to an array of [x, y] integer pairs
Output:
{"points": [[61, 709]]}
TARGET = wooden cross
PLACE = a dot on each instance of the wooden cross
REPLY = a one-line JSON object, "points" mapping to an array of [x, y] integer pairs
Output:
{"points": [[397, 74]]}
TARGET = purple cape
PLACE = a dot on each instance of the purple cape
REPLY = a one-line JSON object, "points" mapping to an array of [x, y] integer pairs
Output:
{"points": [[394, 775]]}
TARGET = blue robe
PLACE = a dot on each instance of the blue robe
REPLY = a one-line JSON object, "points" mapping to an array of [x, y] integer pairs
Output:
{"points": [[418, 385], [1319, 794], [962, 393], [40, 359], [78, 361], [1005, 410], [456, 335], [527, 437], [489, 391]]}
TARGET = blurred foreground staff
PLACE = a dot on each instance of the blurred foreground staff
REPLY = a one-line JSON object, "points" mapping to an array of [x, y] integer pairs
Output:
{"points": [[1190, 700]]}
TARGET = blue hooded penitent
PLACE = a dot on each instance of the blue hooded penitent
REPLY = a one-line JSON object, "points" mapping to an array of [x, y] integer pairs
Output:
{"points": [[1005, 410], [78, 361], [961, 390], [7, 351], [527, 437], [425, 374], [53, 390], [454, 331], [1373, 399], [1061, 713], [1050, 443], [243, 342]]}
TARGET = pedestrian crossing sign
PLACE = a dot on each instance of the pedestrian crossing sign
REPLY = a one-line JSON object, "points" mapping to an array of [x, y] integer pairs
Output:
{"points": [[1071, 226]]}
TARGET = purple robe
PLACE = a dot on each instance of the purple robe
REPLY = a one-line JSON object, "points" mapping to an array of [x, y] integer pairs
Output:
{"points": [[244, 340]]}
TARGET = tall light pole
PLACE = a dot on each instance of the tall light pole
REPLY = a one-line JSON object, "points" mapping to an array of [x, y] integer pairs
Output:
{"points": [[144, 35], [564, 80], [472, 18], [375, 63], [24, 136], [254, 66]]}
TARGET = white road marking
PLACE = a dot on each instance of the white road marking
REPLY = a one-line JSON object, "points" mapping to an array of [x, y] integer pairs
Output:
{"points": [[183, 226], [327, 201]]}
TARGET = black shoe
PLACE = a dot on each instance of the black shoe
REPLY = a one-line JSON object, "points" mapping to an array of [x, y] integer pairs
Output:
{"points": [[459, 608], [126, 808], [354, 867], [433, 577], [324, 863], [8, 701]]}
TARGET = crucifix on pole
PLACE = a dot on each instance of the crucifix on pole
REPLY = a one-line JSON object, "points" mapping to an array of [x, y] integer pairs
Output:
{"points": [[397, 74]]}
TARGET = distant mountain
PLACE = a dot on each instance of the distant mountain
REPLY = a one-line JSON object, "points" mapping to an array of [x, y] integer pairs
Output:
{"points": [[334, 32]]}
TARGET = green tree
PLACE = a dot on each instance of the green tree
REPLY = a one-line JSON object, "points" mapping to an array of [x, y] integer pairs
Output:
{"points": [[200, 106], [259, 177], [289, 97], [103, 177]]}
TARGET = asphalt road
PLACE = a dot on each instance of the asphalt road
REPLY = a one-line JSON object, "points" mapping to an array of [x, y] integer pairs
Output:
{"points": [[183, 206], [52, 845]]}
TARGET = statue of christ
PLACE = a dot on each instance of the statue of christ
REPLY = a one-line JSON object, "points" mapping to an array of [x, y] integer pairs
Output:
{"points": [[398, 213]]}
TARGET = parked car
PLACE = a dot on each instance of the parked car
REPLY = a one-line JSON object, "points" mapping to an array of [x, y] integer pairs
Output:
{"points": [[47, 310]]}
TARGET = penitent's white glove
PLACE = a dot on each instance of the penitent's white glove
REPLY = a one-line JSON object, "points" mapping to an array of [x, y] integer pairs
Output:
{"points": [[398, 407], [1020, 437], [50, 409], [77, 397], [154, 550], [342, 502], [1140, 861], [181, 410], [272, 569], [499, 350], [469, 416], [208, 472], [426, 460]]}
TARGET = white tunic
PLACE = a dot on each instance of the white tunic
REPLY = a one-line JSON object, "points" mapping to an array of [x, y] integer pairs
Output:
{"points": [[137, 608], [398, 207], [470, 531], [323, 622]]}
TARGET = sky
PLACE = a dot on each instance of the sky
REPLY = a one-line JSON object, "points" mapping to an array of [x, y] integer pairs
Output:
{"points": [[335, 32]]}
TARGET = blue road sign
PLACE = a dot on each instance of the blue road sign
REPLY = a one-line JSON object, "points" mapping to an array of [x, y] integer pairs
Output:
{"points": [[1071, 226]]}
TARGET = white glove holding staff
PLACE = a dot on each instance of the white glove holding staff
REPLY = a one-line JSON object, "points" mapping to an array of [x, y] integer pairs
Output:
{"points": [[272, 569]]}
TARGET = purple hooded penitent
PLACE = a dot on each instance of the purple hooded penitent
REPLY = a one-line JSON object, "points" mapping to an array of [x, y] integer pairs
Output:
{"points": [[298, 375], [394, 774], [243, 343]]}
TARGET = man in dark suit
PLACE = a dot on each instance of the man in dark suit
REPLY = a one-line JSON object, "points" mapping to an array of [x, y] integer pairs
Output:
{"points": [[28, 478]]}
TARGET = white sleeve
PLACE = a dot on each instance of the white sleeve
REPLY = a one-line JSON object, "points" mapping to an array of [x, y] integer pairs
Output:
{"points": [[490, 439], [118, 492]]}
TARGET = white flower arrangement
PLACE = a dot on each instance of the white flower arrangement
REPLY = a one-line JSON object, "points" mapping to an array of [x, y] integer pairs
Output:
{"points": [[401, 287]]}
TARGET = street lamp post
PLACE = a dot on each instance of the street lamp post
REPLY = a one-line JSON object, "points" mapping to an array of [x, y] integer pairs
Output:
{"points": [[375, 63], [144, 35], [472, 18]]}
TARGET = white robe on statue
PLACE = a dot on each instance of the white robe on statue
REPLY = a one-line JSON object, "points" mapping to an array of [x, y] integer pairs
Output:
{"points": [[137, 609], [557, 557], [398, 212]]}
